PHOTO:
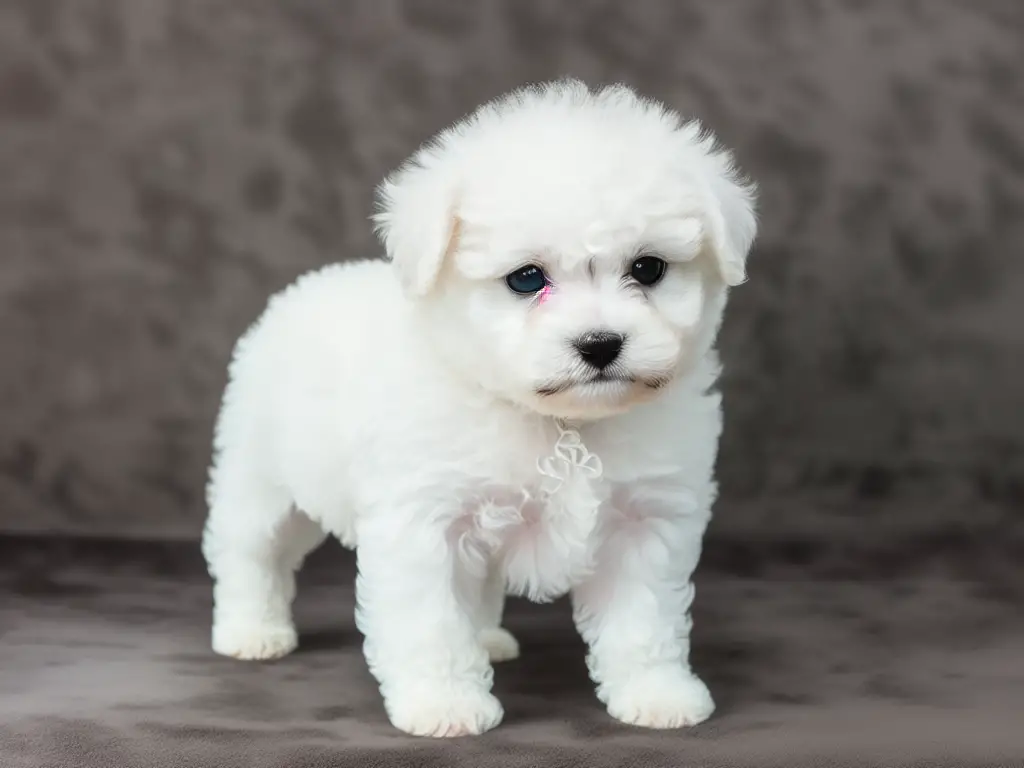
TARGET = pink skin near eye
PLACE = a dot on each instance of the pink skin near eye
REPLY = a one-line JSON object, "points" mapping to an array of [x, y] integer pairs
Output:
{"points": [[544, 294]]}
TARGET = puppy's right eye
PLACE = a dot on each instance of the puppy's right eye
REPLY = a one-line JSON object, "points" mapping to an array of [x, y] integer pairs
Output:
{"points": [[526, 280]]}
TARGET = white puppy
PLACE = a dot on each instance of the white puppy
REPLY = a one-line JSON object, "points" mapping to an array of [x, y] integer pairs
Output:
{"points": [[521, 401]]}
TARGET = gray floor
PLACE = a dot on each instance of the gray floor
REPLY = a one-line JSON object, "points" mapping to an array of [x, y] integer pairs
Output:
{"points": [[104, 662]]}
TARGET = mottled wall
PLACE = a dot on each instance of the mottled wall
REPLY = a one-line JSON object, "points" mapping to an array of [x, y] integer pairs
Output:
{"points": [[165, 164]]}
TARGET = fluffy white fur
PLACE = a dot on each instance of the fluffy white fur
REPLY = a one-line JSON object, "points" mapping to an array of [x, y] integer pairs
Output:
{"points": [[444, 426]]}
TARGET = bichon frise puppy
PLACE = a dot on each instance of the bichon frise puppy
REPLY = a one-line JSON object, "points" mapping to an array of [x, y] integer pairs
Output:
{"points": [[521, 402]]}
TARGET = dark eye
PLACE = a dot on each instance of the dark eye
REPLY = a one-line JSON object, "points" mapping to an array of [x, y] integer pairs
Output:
{"points": [[648, 270], [528, 279]]}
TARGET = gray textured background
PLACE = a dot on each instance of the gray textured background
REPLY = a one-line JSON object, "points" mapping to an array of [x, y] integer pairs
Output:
{"points": [[166, 164]]}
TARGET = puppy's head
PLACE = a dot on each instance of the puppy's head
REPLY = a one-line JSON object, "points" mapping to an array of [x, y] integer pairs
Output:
{"points": [[567, 250]]}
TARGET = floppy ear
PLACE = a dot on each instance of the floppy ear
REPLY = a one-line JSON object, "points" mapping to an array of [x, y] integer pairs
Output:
{"points": [[730, 202], [417, 223]]}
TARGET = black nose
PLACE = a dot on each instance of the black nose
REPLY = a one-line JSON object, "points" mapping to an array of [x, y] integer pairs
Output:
{"points": [[599, 348]]}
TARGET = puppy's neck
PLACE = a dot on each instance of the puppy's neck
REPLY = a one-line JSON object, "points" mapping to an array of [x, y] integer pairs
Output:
{"points": [[569, 463]]}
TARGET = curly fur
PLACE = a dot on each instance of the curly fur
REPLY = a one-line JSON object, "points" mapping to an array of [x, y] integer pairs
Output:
{"points": [[442, 425]]}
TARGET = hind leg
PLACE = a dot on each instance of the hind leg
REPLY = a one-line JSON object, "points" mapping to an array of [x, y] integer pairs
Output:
{"points": [[499, 642], [253, 543]]}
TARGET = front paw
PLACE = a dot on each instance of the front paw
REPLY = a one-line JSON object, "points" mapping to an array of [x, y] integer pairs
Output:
{"points": [[444, 712], [659, 698], [253, 640]]}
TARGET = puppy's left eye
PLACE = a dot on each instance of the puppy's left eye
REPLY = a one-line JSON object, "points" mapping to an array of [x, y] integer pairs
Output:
{"points": [[648, 270]]}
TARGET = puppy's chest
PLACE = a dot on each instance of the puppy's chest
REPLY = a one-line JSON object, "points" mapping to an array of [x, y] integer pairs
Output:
{"points": [[504, 512], [542, 542], [538, 524]]}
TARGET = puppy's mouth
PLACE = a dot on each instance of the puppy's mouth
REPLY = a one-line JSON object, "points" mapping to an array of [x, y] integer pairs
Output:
{"points": [[655, 382]]}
